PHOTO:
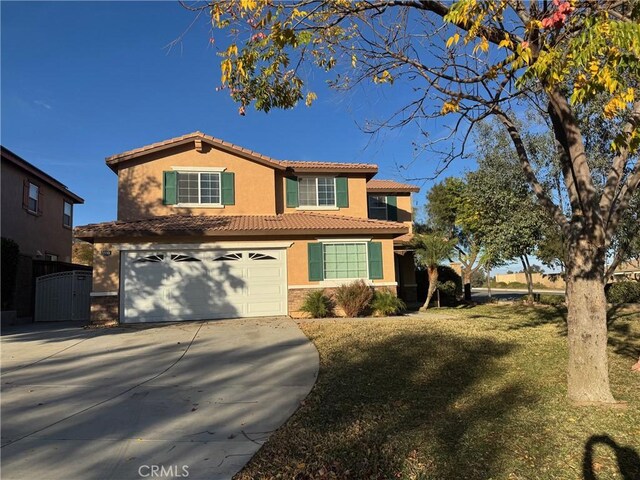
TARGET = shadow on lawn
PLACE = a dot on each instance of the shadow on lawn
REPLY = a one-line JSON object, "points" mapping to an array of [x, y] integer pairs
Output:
{"points": [[399, 405], [627, 458]]}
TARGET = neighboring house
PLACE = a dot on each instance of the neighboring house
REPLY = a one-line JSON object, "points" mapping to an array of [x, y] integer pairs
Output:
{"points": [[629, 270], [207, 229], [37, 214]]}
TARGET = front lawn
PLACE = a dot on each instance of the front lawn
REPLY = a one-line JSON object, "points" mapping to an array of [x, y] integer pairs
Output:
{"points": [[471, 393]]}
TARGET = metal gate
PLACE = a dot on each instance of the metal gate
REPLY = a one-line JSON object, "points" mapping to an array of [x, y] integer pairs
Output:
{"points": [[63, 296]]}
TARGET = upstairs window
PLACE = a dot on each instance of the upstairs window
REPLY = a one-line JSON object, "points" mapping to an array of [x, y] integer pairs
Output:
{"points": [[383, 207], [199, 188], [34, 194], [317, 192], [378, 207], [67, 213]]}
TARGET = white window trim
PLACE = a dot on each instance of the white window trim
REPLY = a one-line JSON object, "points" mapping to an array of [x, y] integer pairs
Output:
{"points": [[344, 240], [318, 207], [198, 205], [330, 282], [199, 170]]}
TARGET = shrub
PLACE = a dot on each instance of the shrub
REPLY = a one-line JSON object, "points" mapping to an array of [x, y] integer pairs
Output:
{"points": [[317, 304], [448, 274], [386, 303], [555, 300], [10, 253], [623, 292], [447, 292], [354, 298]]}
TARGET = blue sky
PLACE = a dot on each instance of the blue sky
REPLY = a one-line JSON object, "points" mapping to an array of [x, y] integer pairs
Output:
{"points": [[81, 81]]}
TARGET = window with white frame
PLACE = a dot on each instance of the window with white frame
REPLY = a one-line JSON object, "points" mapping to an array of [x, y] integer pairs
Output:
{"points": [[378, 207], [199, 187], [317, 192], [345, 260], [34, 193], [67, 213]]}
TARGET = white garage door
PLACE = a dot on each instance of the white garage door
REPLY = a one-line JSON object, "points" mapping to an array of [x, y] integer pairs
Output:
{"points": [[202, 284]]}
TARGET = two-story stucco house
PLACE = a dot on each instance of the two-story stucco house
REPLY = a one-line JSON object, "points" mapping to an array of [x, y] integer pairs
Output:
{"points": [[37, 210], [207, 229], [37, 214]]}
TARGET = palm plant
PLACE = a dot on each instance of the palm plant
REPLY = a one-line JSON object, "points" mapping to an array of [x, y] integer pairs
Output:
{"points": [[431, 249]]}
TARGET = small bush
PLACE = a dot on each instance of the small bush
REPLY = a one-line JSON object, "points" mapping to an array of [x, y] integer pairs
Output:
{"points": [[623, 292], [386, 303], [447, 292], [501, 285], [447, 274], [317, 304], [554, 300], [354, 298]]}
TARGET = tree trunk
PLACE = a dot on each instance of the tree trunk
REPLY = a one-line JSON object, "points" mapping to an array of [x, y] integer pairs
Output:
{"points": [[466, 280], [588, 371], [433, 280], [489, 281], [527, 274]]}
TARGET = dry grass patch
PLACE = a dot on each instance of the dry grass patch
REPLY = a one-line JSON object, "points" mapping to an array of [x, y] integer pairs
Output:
{"points": [[470, 393]]}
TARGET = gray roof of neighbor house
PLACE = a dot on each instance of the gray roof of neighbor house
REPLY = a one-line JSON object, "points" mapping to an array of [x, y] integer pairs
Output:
{"points": [[208, 225], [197, 138], [20, 162]]}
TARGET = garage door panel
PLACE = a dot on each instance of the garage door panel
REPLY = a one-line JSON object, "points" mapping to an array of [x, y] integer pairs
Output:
{"points": [[256, 309], [203, 284]]}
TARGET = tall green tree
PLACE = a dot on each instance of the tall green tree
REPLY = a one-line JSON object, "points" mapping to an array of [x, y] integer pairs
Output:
{"points": [[473, 59], [431, 249], [450, 210]]}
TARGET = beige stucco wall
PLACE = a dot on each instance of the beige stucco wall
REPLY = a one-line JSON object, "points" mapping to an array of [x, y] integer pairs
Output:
{"points": [[34, 233], [357, 185], [546, 281], [106, 267], [405, 209], [140, 184]]}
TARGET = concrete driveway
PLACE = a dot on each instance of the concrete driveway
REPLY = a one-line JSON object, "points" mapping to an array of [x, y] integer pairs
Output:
{"points": [[193, 400]]}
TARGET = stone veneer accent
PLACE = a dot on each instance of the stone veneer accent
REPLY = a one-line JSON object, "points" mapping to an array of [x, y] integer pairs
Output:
{"points": [[297, 296], [105, 310]]}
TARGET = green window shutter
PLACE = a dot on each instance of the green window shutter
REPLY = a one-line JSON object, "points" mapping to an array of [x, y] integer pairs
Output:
{"points": [[375, 260], [292, 191], [227, 190], [342, 192], [316, 269], [392, 208], [169, 188]]}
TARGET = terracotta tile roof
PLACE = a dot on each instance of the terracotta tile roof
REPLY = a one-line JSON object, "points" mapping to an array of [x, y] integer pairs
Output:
{"points": [[214, 225], [404, 239], [328, 166], [114, 160], [390, 186]]}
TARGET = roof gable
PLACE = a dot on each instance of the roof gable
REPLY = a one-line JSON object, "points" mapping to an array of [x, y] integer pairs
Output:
{"points": [[199, 138], [31, 169]]}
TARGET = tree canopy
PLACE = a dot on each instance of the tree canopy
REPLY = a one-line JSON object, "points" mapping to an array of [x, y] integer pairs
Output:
{"points": [[471, 60]]}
